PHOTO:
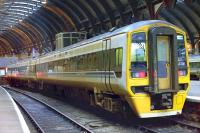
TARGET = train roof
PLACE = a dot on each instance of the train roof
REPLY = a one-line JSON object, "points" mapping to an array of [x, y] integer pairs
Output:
{"points": [[127, 29], [121, 30], [138, 24]]}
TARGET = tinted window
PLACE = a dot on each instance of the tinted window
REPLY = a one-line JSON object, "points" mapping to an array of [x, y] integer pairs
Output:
{"points": [[181, 55], [138, 56]]}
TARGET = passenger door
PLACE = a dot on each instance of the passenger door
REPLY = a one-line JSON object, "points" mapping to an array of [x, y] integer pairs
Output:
{"points": [[106, 64], [163, 60]]}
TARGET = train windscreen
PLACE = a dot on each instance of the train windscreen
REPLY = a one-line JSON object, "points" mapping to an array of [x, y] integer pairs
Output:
{"points": [[182, 65], [138, 55], [2, 72]]}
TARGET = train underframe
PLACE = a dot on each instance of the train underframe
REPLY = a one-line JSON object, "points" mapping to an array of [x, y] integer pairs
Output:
{"points": [[108, 101]]}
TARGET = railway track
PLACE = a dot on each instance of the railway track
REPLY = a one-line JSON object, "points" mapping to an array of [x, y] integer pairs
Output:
{"points": [[146, 129], [183, 124], [45, 117], [191, 111], [155, 125], [166, 125]]}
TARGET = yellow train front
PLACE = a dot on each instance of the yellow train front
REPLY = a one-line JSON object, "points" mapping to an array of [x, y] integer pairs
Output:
{"points": [[143, 65], [157, 70]]}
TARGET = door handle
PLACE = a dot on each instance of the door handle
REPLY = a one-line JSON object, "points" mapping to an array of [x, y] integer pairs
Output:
{"points": [[167, 64]]}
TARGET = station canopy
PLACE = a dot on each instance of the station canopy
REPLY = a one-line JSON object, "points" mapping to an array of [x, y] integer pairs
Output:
{"points": [[33, 24], [14, 11]]}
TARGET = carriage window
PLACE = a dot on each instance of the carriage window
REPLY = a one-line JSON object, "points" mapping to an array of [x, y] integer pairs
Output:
{"points": [[138, 56], [118, 57], [181, 56], [118, 62]]}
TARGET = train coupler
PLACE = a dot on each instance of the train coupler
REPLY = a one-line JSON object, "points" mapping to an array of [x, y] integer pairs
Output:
{"points": [[162, 101]]}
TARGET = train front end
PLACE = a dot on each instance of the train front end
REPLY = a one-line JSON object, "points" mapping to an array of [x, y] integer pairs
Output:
{"points": [[157, 70]]}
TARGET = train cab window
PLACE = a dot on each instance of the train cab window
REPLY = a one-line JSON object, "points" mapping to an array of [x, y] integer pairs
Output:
{"points": [[138, 56], [182, 65], [2, 72]]}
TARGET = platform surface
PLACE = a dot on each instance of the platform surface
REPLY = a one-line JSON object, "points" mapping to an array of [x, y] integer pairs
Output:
{"points": [[194, 93], [11, 119]]}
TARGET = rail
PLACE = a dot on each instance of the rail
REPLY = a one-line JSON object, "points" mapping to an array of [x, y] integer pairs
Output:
{"points": [[40, 122]]}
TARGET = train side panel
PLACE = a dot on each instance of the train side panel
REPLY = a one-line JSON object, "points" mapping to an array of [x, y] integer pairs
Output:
{"points": [[90, 72]]}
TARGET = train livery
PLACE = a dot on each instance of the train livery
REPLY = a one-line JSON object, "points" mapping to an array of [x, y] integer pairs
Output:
{"points": [[143, 66]]}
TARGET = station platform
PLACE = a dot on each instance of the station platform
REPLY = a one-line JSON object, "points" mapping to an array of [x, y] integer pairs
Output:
{"points": [[11, 119], [194, 93]]}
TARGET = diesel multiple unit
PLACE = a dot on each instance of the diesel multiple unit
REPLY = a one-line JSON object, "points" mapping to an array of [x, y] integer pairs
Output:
{"points": [[143, 66]]}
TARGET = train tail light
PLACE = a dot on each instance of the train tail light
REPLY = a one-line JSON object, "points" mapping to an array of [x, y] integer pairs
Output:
{"points": [[182, 72], [183, 86], [139, 74], [17, 74], [139, 89], [39, 74]]}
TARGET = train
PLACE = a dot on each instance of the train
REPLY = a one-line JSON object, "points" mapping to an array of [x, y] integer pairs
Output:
{"points": [[141, 68], [3, 71], [194, 61]]}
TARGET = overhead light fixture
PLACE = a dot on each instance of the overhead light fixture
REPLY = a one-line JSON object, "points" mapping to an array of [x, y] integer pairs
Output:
{"points": [[44, 1]]}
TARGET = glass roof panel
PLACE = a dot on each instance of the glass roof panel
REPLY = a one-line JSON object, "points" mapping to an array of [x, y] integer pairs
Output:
{"points": [[14, 11]]}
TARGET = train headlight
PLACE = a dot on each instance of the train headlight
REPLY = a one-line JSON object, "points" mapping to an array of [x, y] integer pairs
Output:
{"points": [[139, 89], [182, 72], [183, 86], [140, 74]]}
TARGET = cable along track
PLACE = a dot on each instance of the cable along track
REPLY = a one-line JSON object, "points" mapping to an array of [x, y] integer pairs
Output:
{"points": [[167, 125], [46, 118]]}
